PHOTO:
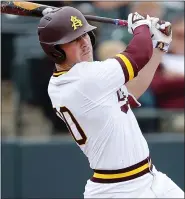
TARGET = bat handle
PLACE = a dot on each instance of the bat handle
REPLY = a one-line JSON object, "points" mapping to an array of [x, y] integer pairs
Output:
{"points": [[120, 22]]}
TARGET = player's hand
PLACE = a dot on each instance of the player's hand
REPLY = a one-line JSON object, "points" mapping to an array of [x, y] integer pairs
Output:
{"points": [[159, 39], [135, 20]]}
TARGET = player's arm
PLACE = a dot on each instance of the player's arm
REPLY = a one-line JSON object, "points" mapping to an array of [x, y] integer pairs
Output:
{"points": [[140, 49], [140, 84], [109, 75]]}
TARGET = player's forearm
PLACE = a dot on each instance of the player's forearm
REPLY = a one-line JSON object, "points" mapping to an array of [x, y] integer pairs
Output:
{"points": [[140, 83]]}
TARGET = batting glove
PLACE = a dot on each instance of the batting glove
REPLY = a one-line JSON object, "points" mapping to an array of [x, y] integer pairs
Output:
{"points": [[159, 39], [135, 20]]}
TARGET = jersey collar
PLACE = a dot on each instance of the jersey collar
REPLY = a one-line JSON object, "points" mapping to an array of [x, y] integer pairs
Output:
{"points": [[58, 73]]}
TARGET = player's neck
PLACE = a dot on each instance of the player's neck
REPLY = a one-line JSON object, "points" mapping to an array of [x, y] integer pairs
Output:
{"points": [[63, 67]]}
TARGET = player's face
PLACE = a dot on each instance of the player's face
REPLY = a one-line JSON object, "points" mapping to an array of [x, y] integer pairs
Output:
{"points": [[79, 50]]}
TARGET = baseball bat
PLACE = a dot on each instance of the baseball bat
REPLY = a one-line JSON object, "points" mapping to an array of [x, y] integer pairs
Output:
{"points": [[38, 10]]}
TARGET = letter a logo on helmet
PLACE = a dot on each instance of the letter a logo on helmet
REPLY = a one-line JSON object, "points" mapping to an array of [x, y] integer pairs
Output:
{"points": [[76, 22]]}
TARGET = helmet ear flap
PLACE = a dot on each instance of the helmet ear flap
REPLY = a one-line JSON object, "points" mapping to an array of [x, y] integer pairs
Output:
{"points": [[61, 53], [92, 37], [54, 52]]}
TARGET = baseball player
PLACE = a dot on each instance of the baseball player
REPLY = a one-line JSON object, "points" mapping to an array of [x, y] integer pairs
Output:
{"points": [[94, 99]]}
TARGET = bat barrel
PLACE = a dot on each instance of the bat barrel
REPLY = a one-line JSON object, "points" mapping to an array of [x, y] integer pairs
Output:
{"points": [[23, 8]]}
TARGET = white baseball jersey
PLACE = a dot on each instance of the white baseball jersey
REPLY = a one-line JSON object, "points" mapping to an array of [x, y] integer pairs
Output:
{"points": [[93, 101]]}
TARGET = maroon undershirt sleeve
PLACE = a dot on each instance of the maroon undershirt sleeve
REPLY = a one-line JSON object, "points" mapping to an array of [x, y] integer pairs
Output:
{"points": [[139, 50]]}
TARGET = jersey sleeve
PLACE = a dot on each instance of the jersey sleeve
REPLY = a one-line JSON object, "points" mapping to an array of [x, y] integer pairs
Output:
{"points": [[109, 75], [128, 66]]}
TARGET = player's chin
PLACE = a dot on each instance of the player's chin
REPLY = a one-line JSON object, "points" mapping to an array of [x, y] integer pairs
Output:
{"points": [[87, 57]]}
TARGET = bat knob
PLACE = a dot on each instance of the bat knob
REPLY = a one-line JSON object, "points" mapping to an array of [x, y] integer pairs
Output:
{"points": [[167, 30], [46, 11]]}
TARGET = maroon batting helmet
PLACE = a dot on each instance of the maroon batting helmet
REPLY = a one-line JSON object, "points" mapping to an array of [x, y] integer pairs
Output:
{"points": [[61, 26]]}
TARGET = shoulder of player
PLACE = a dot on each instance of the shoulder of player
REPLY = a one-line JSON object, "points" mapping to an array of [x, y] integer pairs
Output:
{"points": [[85, 71], [91, 69]]}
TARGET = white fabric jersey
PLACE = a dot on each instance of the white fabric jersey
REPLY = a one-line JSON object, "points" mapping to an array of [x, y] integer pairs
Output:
{"points": [[94, 102]]}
